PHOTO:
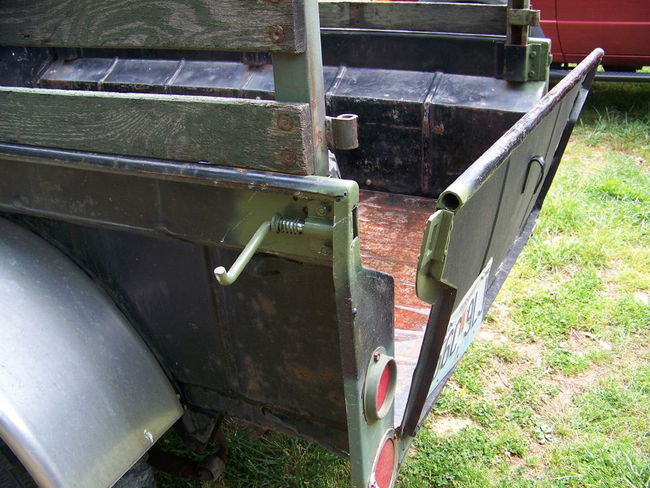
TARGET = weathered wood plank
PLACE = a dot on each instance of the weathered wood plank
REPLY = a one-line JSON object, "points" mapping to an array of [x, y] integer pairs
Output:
{"points": [[239, 25], [420, 16], [255, 134]]}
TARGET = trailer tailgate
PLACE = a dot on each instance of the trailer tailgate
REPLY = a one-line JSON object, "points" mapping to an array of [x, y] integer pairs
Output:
{"points": [[482, 221]]}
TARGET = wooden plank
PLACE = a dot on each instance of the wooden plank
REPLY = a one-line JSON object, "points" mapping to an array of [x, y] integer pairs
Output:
{"points": [[239, 25], [253, 134], [418, 16]]}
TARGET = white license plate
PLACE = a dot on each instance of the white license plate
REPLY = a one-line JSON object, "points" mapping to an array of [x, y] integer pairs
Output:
{"points": [[463, 325]]}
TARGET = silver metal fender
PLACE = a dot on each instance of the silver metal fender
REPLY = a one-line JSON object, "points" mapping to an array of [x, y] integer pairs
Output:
{"points": [[81, 396]]}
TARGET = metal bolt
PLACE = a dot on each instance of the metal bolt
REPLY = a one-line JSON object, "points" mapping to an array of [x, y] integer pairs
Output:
{"points": [[285, 122], [323, 209], [533, 54], [531, 74], [325, 251], [276, 33], [376, 356]]}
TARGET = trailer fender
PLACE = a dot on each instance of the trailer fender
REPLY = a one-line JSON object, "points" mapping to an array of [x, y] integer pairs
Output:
{"points": [[82, 398]]}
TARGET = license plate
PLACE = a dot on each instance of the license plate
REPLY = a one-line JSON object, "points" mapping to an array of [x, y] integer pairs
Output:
{"points": [[463, 325]]}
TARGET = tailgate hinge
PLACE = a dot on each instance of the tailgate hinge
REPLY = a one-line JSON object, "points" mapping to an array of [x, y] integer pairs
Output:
{"points": [[342, 131], [522, 61]]}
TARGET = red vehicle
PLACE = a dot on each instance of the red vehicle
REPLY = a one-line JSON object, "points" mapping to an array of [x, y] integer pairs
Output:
{"points": [[576, 27]]}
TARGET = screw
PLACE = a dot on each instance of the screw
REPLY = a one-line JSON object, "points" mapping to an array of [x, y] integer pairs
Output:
{"points": [[533, 54], [376, 355], [531, 74], [323, 209], [325, 251], [276, 33]]}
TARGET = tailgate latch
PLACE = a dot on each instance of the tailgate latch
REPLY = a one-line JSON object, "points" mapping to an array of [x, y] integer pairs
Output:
{"points": [[433, 254], [278, 225]]}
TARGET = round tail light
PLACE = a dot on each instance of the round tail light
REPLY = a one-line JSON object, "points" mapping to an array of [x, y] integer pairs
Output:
{"points": [[384, 470], [379, 390]]}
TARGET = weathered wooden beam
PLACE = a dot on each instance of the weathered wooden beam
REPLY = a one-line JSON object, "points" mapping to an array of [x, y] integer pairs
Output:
{"points": [[240, 25], [254, 134], [419, 16]]}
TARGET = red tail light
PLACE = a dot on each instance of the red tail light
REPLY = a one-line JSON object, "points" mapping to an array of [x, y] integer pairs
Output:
{"points": [[385, 468], [379, 390], [384, 386]]}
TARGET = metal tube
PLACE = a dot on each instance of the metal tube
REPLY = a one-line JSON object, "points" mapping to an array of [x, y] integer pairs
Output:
{"points": [[226, 278]]}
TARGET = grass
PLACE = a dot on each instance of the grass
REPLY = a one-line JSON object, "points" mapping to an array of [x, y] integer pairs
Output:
{"points": [[555, 392]]}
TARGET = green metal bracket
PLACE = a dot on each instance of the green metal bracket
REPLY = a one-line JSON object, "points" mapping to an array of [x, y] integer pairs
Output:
{"points": [[523, 17], [527, 63], [433, 254], [279, 225], [523, 60]]}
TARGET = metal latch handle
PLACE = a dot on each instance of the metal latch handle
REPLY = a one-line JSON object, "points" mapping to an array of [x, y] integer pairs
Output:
{"points": [[279, 225]]}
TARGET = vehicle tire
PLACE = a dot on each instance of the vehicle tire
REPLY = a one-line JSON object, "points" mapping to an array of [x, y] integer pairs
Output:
{"points": [[14, 475], [139, 476]]}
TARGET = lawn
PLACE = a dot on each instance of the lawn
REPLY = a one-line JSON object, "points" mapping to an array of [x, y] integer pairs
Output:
{"points": [[555, 391]]}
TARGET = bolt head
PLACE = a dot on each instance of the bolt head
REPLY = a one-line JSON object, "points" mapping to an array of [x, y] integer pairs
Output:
{"points": [[276, 33], [323, 209], [325, 251]]}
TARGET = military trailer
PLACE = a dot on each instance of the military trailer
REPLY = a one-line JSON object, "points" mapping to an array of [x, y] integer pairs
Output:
{"points": [[288, 212]]}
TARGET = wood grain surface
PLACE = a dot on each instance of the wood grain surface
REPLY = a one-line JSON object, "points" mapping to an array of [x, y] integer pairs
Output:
{"points": [[240, 25], [419, 16], [253, 134]]}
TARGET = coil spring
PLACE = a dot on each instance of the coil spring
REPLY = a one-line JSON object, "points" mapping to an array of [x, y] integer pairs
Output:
{"points": [[287, 225]]}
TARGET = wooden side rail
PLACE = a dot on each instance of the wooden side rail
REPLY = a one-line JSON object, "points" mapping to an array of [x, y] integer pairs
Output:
{"points": [[253, 134], [419, 16], [240, 25]]}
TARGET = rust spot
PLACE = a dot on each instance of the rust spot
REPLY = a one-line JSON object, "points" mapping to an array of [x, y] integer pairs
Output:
{"points": [[438, 129], [285, 122], [288, 157], [356, 16], [276, 33]]}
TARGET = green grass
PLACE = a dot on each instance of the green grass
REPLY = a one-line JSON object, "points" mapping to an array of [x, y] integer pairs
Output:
{"points": [[559, 397]]}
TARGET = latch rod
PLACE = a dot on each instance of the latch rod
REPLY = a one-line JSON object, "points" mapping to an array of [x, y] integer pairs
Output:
{"points": [[279, 225], [228, 277]]}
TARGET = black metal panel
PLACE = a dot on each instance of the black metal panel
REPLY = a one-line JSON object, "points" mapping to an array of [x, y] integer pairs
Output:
{"points": [[21, 66], [414, 51]]}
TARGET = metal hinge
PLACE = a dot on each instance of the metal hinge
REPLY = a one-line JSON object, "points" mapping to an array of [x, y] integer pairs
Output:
{"points": [[523, 17], [522, 61], [342, 131]]}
